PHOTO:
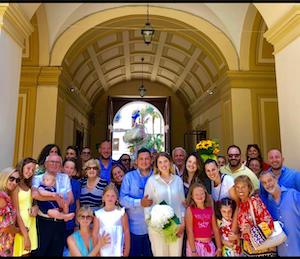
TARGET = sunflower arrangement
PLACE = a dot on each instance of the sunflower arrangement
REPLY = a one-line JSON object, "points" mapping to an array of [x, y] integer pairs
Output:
{"points": [[208, 149]]}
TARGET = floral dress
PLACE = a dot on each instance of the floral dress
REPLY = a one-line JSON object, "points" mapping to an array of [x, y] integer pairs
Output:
{"points": [[244, 219], [7, 217], [225, 228]]}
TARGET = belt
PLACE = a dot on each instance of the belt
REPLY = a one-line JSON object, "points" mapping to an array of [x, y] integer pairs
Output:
{"points": [[46, 217]]}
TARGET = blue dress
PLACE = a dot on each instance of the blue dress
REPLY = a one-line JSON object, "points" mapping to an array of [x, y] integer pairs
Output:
{"points": [[80, 244]]}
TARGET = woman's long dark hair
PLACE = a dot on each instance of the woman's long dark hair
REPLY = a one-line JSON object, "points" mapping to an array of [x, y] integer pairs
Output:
{"points": [[20, 167], [199, 174], [45, 152]]}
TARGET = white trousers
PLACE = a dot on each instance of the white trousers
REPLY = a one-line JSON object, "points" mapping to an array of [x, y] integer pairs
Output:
{"points": [[161, 248]]}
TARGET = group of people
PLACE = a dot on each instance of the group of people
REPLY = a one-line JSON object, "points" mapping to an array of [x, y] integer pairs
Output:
{"points": [[84, 206]]}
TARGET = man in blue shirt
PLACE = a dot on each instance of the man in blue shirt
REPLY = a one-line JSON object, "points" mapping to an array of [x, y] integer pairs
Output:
{"points": [[132, 198], [105, 160], [286, 203], [286, 177]]}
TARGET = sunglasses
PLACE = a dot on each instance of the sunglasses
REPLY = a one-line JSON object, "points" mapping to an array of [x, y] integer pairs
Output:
{"points": [[92, 167], [87, 152], [86, 217], [12, 178]]}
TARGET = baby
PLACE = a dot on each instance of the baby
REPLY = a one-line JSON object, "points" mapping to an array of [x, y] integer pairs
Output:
{"points": [[51, 208]]}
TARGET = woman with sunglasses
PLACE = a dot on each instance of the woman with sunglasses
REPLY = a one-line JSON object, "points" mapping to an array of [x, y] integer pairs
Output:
{"points": [[80, 243], [9, 178], [26, 241]]}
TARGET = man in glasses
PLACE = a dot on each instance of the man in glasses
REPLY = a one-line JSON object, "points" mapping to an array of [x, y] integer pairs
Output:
{"points": [[50, 230], [125, 160], [235, 167]]}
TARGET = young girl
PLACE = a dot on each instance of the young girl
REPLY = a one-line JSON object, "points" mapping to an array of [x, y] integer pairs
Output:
{"points": [[27, 240], [201, 224], [113, 220], [226, 208]]}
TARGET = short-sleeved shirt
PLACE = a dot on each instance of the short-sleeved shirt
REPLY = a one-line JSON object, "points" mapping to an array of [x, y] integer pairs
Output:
{"points": [[62, 185]]}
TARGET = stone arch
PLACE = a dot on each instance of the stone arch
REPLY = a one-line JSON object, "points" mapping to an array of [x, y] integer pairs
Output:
{"points": [[70, 35]]}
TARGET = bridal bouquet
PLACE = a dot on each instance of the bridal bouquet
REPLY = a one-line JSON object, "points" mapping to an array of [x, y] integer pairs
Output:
{"points": [[163, 219]]}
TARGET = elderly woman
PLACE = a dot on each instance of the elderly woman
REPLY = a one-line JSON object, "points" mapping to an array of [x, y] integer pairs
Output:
{"points": [[92, 185], [165, 185], [9, 178], [80, 243], [248, 204]]}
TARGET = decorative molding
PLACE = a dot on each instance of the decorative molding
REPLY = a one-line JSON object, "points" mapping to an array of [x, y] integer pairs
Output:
{"points": [[49, 76], [15, 23], [285, 30]]}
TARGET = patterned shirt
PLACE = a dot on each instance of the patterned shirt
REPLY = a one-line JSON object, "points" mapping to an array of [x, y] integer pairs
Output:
{"points": [[92, 198]]}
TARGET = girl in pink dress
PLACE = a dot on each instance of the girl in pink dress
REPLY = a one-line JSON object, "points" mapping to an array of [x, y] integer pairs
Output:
{"points": [[201, 224], [9, 178]]}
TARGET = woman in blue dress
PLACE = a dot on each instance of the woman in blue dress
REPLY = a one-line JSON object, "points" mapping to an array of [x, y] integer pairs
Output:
{"points": [[80, 243]]}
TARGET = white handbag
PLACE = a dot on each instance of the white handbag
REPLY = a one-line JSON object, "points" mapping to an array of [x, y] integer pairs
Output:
{"points": [[276, 238]]}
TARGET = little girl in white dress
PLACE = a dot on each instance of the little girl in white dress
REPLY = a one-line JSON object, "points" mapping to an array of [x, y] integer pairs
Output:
{"points": [[112, 219]]}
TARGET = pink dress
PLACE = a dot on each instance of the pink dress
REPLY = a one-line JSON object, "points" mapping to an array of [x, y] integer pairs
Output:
{"points": [[7, 217]]}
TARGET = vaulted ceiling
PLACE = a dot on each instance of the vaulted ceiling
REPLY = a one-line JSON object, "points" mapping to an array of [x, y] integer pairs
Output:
{"points": [[179, 57]]}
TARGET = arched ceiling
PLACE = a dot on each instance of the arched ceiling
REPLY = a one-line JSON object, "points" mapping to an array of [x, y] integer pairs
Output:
{"points": [[179, 57]]}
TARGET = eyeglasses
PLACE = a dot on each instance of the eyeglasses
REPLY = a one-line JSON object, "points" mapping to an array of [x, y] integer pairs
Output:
{"points": [[53, 162], [92, 167], [233, 155], [87, 217], [86, 152], [12, 178]]}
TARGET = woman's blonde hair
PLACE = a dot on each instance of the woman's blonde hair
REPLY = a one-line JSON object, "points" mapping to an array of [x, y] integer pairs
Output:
{"points": [[83, 209], [247, 180], [166, 155], [91, 162], [190, 201], [111, 187], [4, 175]]}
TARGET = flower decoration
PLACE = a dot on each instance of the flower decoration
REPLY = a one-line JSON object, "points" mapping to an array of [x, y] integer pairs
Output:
{"points": [[208, 149], [164, 220]]}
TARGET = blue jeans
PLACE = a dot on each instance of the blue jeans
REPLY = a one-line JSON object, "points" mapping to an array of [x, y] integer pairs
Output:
{"points": [[140, 245]]}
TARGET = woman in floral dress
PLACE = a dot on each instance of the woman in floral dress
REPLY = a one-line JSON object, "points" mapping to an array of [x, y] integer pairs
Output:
{"points": [[244, 189], [9, 178]]}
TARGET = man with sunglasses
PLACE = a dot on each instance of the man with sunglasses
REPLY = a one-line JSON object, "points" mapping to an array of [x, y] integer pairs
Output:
{"points": [[50, 230], [235, 167]]}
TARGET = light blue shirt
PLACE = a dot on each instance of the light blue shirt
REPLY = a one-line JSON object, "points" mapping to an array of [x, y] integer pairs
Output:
{"points": [[289, 178], [288, 212], [131, 193], [63, 184]]}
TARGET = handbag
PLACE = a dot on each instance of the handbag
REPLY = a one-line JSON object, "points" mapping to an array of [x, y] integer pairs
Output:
{"points": [[258, 239]]}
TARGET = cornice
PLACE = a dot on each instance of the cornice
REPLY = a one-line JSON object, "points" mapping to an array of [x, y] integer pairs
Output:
{"points": [[285, 30], [49, 76], [15, 23]]}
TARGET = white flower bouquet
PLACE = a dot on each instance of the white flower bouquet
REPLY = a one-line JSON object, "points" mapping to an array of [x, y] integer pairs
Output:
{"points": [[164, 220]]}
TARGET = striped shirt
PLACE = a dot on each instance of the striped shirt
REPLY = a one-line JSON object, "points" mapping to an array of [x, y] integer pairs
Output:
{"points": [[92, 198]]}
